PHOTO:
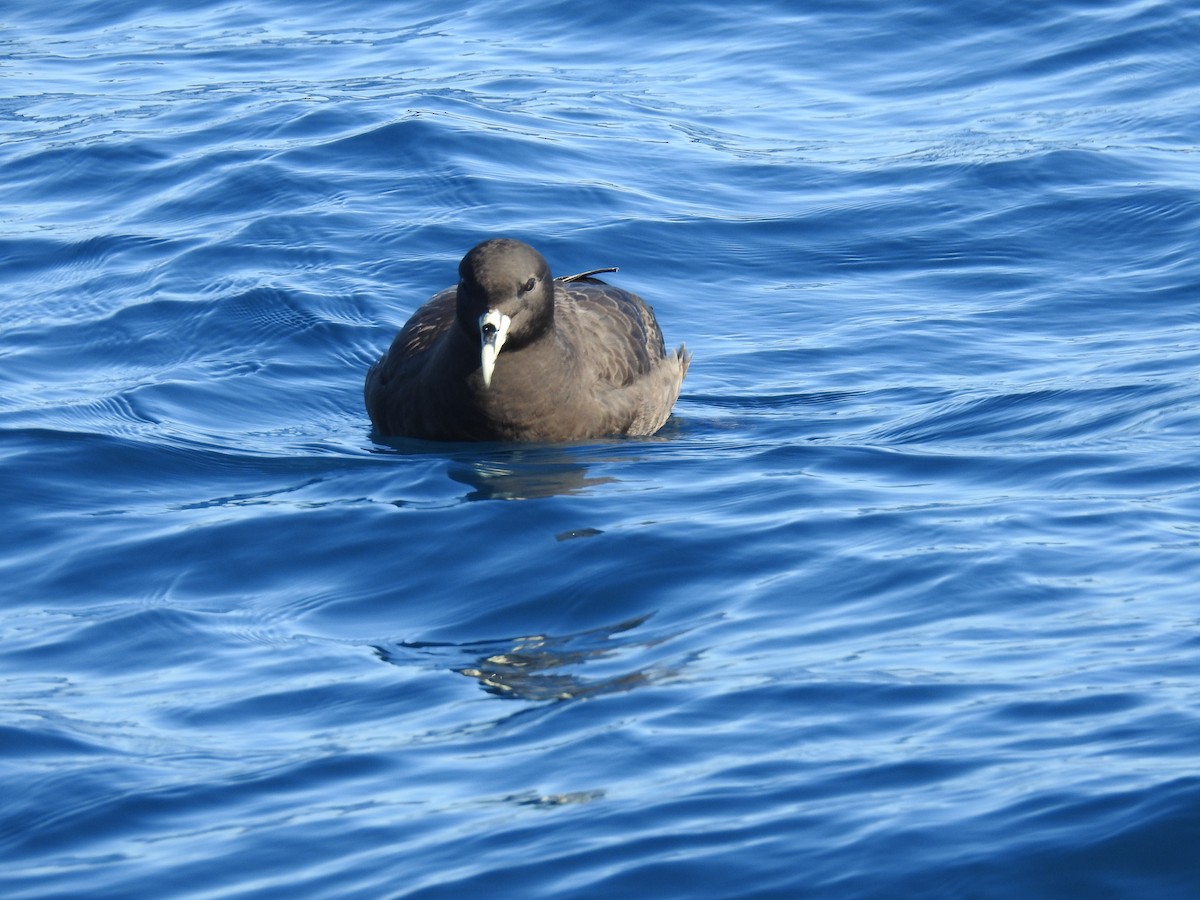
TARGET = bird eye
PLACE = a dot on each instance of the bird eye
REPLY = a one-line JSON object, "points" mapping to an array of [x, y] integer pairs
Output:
{"points": [[528, 286]]}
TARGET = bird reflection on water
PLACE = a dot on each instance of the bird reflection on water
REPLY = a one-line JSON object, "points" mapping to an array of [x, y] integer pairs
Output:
{"points": [[542, 667], [518, 478]]}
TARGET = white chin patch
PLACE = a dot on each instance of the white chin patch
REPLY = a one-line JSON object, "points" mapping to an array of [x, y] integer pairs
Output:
{"points": [[493, 329]]}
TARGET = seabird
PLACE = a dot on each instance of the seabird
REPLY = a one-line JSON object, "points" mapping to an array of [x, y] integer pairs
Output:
{"points": [[512, 354]]}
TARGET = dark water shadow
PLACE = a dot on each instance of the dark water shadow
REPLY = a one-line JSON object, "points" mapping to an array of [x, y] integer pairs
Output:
{"points": [[496, 471], [545, 667], [524, 478]]}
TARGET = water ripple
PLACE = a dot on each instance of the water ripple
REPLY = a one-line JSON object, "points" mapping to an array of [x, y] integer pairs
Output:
{"points": [[899, 602]]}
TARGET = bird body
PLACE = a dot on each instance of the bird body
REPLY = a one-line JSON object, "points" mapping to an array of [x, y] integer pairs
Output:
{"points": [[511, 354]]}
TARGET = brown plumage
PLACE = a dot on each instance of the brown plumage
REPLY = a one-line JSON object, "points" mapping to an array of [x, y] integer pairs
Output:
{"points": [[511, 354]]}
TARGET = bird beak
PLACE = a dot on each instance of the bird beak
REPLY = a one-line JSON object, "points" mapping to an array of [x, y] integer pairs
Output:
{"points": [[493, 329]]}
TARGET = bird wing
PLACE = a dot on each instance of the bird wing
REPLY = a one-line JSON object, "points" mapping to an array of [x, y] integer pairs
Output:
{"points": [[614, 330], [426, 325]]}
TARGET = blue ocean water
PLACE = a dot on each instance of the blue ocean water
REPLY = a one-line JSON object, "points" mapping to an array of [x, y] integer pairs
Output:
{"points": [[901, 602]]}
